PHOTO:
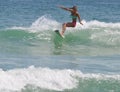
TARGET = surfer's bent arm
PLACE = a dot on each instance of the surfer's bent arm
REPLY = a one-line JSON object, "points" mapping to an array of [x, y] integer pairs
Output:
{"points": [[64, 8], [79, 19]]}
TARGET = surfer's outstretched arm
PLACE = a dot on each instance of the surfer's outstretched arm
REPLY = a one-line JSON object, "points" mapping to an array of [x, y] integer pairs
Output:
{"points": [[78, 15], [64, 8]]}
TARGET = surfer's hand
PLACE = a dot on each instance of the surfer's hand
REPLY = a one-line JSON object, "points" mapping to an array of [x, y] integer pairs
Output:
{"points": [[81, 23], [60, 6]]}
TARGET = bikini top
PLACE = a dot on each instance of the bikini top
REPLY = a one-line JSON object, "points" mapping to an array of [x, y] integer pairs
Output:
{"points": [[73, 16]]}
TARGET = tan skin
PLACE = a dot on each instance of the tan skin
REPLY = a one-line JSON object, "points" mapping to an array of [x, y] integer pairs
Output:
{"points": [[74, 12]]}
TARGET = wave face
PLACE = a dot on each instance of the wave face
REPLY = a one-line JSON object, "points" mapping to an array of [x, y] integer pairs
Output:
{"points": [[36, 79], [93, 38]]}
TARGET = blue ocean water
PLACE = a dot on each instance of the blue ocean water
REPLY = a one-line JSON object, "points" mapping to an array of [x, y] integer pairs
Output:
{"points": [[33, 58]]}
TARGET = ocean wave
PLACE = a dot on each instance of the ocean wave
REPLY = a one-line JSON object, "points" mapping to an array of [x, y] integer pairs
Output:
{"points": [[41, 24], [94, 36], [47, 23], [46, 78]]}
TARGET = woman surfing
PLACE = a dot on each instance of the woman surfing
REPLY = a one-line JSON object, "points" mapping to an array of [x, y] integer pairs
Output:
{"points": [[74, 16]]}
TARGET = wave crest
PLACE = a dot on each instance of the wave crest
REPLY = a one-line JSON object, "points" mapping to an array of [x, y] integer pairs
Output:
{"points": [[46, 78]]}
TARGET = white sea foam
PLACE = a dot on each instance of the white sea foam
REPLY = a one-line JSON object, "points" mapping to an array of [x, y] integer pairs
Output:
{"points": [[96, 24], [53, 79], [47, 78], [41, 24], [46, 23]]}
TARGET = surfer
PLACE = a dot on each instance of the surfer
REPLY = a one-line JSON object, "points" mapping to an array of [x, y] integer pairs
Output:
{"points": [[74, 15]]}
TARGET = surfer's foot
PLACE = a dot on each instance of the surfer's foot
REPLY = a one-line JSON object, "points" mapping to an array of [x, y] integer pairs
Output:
{"points": [[62, 35]]}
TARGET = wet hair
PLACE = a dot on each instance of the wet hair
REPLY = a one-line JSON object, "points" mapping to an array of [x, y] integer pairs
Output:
{"points": [[74, 7]]}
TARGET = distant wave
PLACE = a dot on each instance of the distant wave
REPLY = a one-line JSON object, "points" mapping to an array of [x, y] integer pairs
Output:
{"points": [[52, 79]]}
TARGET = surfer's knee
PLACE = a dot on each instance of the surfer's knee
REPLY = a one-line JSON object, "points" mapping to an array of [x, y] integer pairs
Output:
{"points": [[64, 24]]}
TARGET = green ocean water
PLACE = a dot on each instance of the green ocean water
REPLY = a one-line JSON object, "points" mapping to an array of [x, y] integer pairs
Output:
{"points": [[92, 39]]}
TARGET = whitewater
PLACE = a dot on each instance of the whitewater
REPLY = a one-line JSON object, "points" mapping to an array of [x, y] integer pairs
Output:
{"points": [[36, 78]]}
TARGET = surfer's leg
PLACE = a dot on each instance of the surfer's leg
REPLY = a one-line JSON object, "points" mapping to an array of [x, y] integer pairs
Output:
{"points": [[69, 24], [63, 28]]}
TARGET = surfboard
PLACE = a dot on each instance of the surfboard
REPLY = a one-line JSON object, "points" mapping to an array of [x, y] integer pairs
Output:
{"points": [[57, 32]]}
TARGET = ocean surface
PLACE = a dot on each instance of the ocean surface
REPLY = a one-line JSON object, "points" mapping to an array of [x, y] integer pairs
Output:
{"points": [[33, 58]]}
